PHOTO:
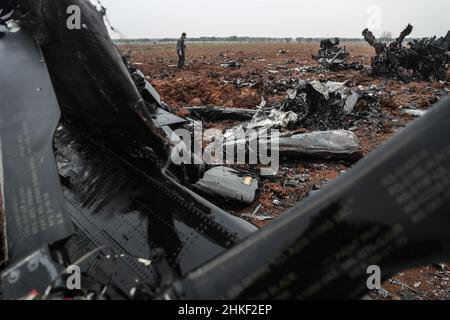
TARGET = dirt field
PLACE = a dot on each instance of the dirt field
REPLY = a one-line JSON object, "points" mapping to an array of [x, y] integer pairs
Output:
{"points": [[205, 82]]}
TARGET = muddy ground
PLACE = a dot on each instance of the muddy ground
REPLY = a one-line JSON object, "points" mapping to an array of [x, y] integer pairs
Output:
{"points": [[269, 69]]}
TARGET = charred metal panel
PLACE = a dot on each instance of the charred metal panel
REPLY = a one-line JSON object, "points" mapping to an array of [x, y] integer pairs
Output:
{"points": [[29, 113], [116, 206]]}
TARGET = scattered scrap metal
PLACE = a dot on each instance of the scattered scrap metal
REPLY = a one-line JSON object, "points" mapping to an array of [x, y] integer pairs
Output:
{"points": [[330, 49], [231, 64], [325, 108], [321, 106], [334, 57], [229, 184], [426, 58]]}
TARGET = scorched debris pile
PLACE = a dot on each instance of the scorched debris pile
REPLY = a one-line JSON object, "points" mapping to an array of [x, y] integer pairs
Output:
{"points": [[425, 59]]}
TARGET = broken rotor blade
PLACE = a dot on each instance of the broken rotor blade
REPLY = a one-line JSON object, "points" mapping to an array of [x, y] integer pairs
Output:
{"points": [[29, 113]]}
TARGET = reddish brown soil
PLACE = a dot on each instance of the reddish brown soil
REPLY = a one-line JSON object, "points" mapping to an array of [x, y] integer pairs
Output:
{"points": [[203, 82]]}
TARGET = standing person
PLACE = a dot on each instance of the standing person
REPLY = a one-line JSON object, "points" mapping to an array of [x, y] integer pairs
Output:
{"points": [[181, 50]]}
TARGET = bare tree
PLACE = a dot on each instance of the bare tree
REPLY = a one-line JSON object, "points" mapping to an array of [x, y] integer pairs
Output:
{"points": [[386, 36]]}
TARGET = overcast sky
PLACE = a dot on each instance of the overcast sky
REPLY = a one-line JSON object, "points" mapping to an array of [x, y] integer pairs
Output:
{"points": [[276, 18]]}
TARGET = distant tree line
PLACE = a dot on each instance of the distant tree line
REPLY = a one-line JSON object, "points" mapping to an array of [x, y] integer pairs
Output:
{"points": [[230, 39]]}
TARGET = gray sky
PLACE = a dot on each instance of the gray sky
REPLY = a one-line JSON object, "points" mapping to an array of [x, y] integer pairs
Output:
{"points": [[276, 18]]}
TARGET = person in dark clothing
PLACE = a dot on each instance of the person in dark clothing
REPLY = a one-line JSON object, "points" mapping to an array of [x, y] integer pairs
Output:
{"points": [[181, 51]]}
